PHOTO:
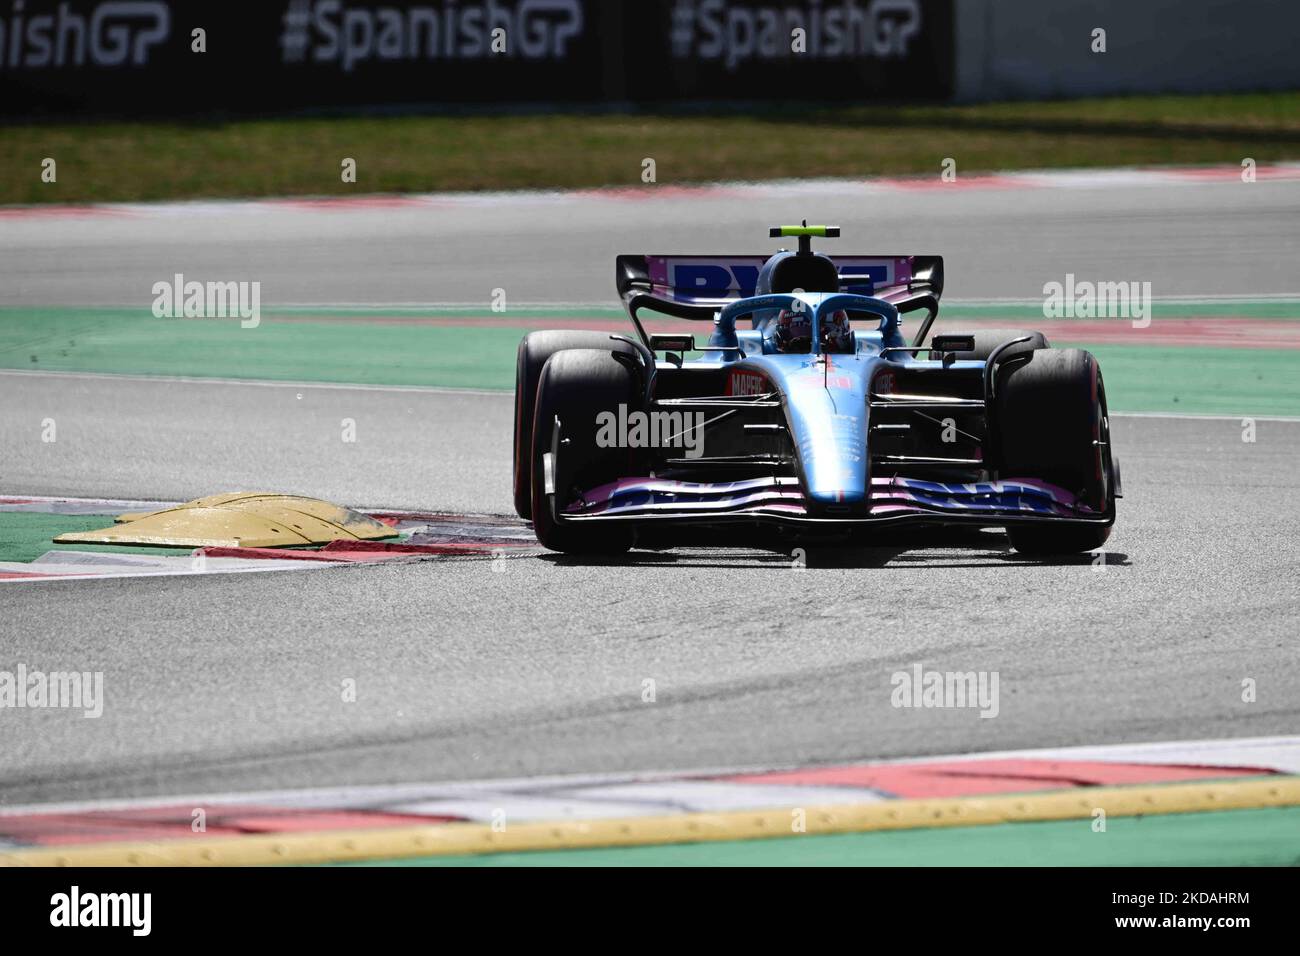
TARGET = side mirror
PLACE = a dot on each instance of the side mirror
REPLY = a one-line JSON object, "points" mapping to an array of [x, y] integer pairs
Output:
{"points": [[672, 343], [953, 343]]}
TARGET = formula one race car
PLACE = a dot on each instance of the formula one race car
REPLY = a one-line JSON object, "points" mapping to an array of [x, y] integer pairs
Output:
{"points": [[818, 421]]}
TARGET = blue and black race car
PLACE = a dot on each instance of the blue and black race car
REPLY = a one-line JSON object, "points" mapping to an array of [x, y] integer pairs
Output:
{"points": [[807, 415]]}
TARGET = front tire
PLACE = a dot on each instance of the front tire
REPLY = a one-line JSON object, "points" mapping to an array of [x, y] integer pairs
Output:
{"points": [[1052, 424], [576, 385], [534, 350]]}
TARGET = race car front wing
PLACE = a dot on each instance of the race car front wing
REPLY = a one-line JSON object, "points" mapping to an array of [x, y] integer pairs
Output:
{"points": [[891, 500]]}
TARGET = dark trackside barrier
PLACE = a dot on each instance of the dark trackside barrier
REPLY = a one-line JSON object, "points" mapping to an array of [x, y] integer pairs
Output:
{"points": [[196, 58]]}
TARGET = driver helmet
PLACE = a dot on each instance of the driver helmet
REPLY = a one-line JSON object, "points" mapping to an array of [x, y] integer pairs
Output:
{"points": [[793, 331], [836, 334]]}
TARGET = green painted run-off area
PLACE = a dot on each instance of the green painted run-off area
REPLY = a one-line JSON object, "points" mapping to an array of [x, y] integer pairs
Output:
{"points": [[25, 536]]}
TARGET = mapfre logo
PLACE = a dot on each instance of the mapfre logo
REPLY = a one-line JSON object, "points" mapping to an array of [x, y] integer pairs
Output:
{"points": [[330, 31], [118, 33], [747, 383]]}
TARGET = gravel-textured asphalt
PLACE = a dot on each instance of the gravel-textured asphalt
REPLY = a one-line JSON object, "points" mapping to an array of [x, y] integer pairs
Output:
{"points": [[1209, 238], [230, 682], [463, 671], [180, 440]]}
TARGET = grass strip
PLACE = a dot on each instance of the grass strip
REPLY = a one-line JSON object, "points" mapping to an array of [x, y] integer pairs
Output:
{"points": [[102, 162]]}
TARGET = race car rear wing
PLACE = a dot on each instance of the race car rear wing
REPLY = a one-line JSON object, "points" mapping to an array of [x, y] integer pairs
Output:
{"points": [[696, 287]]}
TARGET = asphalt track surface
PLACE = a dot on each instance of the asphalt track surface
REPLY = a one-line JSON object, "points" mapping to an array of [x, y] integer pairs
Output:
{"points": [[1221, 238], [234, 682]]}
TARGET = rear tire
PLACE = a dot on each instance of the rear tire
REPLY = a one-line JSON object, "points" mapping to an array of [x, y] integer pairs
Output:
{"points": [[1052, 425], [576, 385], [534, 350]]}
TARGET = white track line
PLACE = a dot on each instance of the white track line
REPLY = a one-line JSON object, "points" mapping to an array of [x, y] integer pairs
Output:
{"points": [[188, 380], [1207, 418], [1257, 298]]}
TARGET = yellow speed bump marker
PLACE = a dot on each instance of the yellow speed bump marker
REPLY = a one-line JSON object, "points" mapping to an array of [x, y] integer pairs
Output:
{"points": [[238, 520]]}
